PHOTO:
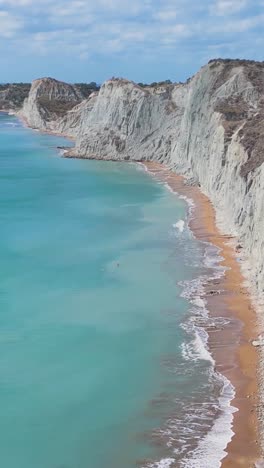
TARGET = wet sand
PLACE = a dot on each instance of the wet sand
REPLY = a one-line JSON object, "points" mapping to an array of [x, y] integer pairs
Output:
{"points": [[235, 356]]}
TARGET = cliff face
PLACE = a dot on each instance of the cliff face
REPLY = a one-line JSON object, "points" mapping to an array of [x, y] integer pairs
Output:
{"points": [[48, 101], [74, 122], [132, 122], [210, 129]]}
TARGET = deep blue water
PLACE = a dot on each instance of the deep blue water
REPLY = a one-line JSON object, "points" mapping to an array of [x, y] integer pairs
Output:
{"points": [[93, 372]]}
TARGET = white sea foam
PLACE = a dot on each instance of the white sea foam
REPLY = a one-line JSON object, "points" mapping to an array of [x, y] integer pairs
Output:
{"points": [[197, 349], [198, 301], [211, 449], [212, 259], [190, 204], [164, 463], [168, 187], [179, 225], [140, 166]]}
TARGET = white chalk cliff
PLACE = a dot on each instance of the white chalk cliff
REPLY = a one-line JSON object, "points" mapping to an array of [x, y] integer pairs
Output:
{"points": [[48, 101], [210, 129]]}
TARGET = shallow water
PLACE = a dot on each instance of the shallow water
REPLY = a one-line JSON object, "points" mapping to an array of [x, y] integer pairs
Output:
{"points": [[101, 360]]}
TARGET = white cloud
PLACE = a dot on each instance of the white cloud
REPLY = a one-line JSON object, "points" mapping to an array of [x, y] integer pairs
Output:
{"points": [[126, 6], [227, 7], [91, 29], [9, 25], [237, 25], [16, 3], [165, 15], [178, 30]]}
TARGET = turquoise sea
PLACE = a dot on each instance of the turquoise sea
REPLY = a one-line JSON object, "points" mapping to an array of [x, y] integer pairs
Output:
{"points": [[102, 361]]}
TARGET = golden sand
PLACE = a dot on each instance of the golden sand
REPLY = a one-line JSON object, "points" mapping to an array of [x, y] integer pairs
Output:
{"points": [[231, 347]]}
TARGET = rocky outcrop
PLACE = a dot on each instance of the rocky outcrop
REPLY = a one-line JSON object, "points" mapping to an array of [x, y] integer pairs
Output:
{"points": [[12, 97], [209, 129], [48, 101]]}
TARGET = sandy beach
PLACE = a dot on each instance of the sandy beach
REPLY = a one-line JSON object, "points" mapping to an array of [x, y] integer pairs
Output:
{"points": [[235, 356]]}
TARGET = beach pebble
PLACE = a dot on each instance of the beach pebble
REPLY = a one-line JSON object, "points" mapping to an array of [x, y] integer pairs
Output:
{"points": [[259, 342], [259, 464]]}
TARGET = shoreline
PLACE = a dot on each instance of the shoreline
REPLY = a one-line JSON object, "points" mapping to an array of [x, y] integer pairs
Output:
{"points": [[239, 361], [235, 357], [25, 124]]}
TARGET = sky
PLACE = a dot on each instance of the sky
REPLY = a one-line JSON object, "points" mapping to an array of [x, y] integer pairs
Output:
{"points": [[143, 40]]}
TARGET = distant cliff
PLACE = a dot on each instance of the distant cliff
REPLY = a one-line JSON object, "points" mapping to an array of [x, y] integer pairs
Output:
{"points": [[48, 101], [210, 129], [12, 96]]}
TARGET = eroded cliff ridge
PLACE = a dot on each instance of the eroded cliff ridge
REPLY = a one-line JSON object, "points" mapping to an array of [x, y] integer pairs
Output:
{"points": [[50, 100], [210, 129]]}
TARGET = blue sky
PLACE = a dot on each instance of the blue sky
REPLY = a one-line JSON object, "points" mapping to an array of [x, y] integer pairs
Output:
{"points": [[144, 40]]}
